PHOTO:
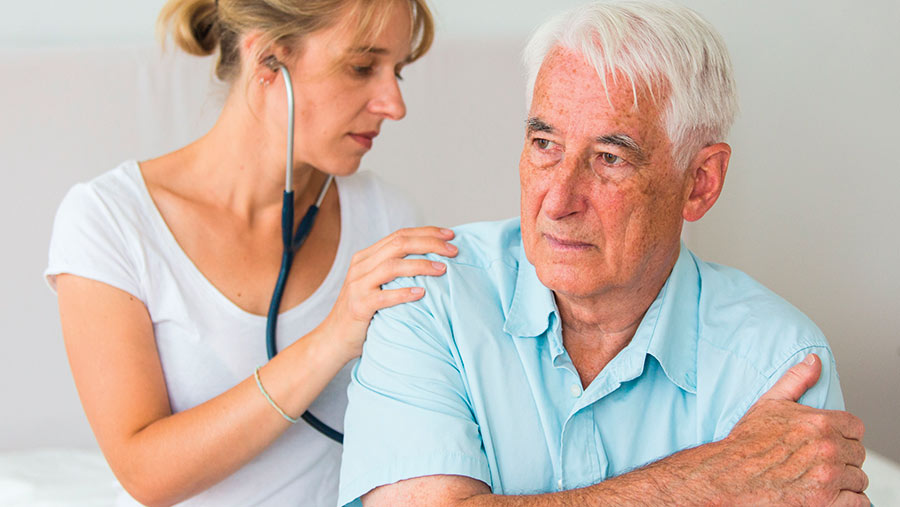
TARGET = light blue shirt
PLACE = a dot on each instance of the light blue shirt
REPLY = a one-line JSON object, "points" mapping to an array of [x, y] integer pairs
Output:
{"points": [[474, 380]]}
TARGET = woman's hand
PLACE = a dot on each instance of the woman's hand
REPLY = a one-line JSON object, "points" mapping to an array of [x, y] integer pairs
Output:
{"points": [[362, 296]]}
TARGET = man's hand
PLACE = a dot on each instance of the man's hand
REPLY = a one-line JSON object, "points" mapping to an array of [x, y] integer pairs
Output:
{"points": [[786, 453]]}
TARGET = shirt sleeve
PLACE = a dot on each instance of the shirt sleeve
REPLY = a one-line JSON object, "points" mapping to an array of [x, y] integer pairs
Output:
{"points": [[409, 413], [87, 241], [825, 394]]}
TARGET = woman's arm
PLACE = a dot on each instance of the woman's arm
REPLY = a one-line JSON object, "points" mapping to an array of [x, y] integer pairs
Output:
{"points": [[163, 458]]}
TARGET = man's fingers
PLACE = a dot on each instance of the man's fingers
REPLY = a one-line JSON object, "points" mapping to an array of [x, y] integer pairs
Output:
{"points": [[851, 499], [854, 479], [796, 381], [852, 453], [850, 426]]}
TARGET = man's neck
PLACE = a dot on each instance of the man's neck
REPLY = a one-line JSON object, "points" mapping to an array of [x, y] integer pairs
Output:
{"points": [[596, 328]]}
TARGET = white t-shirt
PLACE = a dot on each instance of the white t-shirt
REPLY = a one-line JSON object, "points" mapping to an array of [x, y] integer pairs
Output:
{"points": [[109, 230]]}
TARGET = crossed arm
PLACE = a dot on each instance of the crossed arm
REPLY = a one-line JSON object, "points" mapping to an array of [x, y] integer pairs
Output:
{"points": [[779, 453]]}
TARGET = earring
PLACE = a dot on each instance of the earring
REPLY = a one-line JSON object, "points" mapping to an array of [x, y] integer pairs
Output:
{"points": [[263, 82]]}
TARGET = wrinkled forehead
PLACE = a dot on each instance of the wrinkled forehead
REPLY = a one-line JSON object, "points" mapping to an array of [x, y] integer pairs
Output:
{"points": [[569, 84]]}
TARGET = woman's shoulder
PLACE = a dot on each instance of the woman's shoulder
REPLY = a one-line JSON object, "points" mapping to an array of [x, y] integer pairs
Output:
{"points": [[114, 190], [377, 199], [96, 227], [369, 184]]}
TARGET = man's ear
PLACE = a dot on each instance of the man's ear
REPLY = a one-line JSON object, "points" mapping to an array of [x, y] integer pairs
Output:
{"points": [[706, 176]]}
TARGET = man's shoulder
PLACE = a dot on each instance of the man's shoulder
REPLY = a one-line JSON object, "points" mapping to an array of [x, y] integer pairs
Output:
{"points": [[476, 289], [739, 315], [484, 248], [482, 244]]}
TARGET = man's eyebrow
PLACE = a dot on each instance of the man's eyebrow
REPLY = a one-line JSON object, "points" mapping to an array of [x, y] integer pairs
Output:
{"points": [[624, 141], [536, 124]]}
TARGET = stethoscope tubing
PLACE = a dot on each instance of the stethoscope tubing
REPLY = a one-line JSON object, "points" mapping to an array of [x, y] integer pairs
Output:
{"points": [[292, 242]]}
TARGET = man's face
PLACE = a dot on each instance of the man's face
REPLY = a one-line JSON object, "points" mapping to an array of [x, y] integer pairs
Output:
{"points": [[601, 198]]}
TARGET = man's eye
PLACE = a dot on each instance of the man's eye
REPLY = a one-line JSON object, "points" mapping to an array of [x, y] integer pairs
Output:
{"points": [[610, 159], [542, 144]]}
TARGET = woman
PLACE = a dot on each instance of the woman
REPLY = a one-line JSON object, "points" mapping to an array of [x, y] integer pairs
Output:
{"points": [[165, 269]]}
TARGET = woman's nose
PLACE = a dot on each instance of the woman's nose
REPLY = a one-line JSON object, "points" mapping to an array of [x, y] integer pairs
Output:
{"points": [[389, 101]]}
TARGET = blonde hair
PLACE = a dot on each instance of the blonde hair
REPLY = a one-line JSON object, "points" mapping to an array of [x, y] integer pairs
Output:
{"points": [[202, 27]]}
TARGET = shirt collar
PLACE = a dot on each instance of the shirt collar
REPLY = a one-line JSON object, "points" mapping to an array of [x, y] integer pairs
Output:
{"points": [[675, 330], [532, 303], [669, 330]]}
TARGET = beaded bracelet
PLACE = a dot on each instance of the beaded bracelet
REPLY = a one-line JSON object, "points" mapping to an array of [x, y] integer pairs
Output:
{"points": [[269, 398]]}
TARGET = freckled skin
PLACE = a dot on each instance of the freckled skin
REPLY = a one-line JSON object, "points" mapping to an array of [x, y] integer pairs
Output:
{"points": [[626, 219]]}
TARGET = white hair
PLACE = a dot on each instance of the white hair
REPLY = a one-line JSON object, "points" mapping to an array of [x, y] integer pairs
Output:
{"points": [[666, 49]]}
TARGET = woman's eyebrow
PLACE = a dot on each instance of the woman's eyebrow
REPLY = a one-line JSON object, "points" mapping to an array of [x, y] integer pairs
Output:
{"points": [[370, 50]]}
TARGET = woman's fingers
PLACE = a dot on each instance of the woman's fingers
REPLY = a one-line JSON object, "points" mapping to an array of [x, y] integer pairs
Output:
{"points": [[386, 260], [387, 298], [369, 297], [396, 250], [418, 240], [397, 268]]}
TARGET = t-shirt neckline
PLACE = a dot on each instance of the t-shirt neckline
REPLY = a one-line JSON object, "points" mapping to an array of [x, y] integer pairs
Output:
{"points": [[173, 246]]}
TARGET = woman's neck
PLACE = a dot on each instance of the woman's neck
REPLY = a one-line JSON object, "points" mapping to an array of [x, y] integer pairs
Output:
{"points": [[239, 166]]}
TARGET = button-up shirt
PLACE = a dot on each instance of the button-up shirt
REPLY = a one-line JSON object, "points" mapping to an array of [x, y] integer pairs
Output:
{"points": [[474, 379]]}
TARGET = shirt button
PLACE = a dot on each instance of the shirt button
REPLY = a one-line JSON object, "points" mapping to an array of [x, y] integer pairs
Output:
{"points": [[576, 390], [559, 485]]}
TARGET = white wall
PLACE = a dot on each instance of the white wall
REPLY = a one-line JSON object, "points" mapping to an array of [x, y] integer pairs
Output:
{"points": [[809, 208], [103, 22]]}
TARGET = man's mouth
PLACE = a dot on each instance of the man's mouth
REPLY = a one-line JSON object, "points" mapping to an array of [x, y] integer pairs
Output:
{"points": [[566, 244]]}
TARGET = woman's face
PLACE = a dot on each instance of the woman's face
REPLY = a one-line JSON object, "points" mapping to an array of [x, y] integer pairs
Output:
{"points": [[339, 111]]}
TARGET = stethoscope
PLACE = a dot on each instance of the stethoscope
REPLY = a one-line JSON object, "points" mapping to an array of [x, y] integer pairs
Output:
{"points": [[293, 240]]}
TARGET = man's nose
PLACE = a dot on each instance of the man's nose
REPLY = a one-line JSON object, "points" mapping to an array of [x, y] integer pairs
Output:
{"points": [[389, 100], [566, 193]]}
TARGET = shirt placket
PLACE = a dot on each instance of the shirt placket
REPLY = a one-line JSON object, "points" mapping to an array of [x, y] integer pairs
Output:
{"points": [[582, 457]]}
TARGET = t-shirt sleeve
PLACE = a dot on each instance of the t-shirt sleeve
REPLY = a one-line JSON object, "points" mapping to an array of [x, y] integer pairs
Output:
{"points": [[88, 241], [409, 414]]}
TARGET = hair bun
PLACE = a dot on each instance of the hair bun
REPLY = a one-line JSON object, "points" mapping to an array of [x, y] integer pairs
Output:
{"points": [[193, 24]]}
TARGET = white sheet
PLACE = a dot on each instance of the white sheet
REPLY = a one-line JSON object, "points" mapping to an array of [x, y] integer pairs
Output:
{"points": [[75, 478], [56, 477]]}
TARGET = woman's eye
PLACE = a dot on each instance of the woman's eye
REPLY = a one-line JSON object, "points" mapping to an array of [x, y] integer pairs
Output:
{"points": [[363, 70]]}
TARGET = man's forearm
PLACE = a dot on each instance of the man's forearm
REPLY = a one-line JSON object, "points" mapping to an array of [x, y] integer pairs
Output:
{"points": [[690, 477], [780, 453]]}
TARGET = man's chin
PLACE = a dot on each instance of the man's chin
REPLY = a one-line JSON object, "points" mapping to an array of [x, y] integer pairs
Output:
{"points": [[567, 279]]}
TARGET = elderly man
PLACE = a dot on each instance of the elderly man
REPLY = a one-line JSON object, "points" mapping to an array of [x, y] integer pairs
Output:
{"points": [[564, 350]]}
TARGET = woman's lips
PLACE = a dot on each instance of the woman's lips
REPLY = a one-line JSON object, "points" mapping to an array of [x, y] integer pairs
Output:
{"points": [[566, 244], [364, 138]]}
